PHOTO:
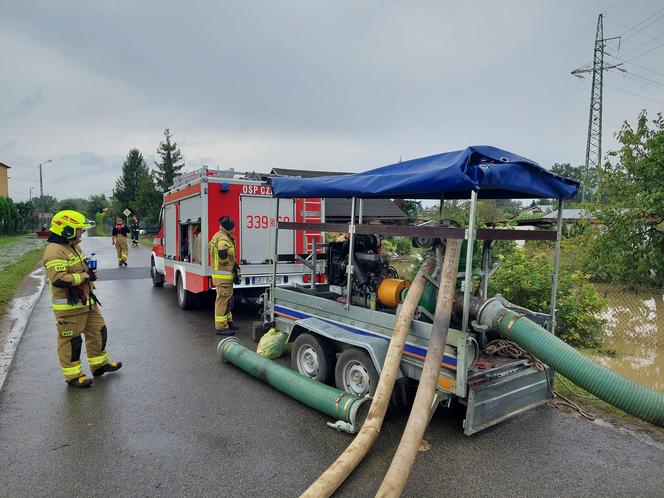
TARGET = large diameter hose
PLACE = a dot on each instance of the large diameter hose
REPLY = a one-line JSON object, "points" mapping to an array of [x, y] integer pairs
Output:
{"points": [[397, 475], [332, 478], [607, 385], [333, 402]]}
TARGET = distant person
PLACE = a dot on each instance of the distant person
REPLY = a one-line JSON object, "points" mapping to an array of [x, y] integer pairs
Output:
{"points": [[222, 255], [120, 233], [135, 229], [73, 301]]}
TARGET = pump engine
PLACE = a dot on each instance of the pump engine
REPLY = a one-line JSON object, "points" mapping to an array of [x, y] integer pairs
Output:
{"points": [[370, 268]]}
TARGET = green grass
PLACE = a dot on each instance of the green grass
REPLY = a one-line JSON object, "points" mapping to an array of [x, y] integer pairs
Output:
{"points": [[7, 240], [146, 241], [600, 408], [11, 276]]}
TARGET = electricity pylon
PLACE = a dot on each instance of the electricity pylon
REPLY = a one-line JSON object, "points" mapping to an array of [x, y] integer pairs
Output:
{"points": [[594, 143]]}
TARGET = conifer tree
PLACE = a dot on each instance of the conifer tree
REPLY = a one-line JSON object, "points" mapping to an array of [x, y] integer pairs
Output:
{"points": [[170, 162]]}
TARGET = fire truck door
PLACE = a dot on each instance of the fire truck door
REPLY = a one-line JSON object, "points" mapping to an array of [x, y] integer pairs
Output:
{"points": [[258, 220]]}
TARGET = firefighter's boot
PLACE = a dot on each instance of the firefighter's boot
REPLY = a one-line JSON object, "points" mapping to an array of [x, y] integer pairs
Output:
{"points": [[111, 366], [233, 326], [81, 381], [227, 331]]}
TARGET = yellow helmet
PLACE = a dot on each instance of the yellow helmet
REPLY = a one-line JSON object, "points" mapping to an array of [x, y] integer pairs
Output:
{"points": [[65, 223]]}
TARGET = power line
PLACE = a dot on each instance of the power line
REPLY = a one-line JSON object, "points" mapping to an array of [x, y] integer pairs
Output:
{"points": [[646, 52], [634, 94], [642, 79], [640, 29], [637, 65]]}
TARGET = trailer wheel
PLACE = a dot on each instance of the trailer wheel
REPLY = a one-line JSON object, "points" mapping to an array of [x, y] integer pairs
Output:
{"points": [[355, 373], [314, 357], [157, 278], [185, 298]]}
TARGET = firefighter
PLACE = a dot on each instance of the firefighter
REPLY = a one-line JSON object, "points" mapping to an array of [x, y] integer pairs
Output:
{"points": [[120, 232], [135, 229], [73, 301], [222, 255]]}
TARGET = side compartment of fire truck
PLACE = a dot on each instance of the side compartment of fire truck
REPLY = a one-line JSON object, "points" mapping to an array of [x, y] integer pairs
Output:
{"points": [[196, 202]]}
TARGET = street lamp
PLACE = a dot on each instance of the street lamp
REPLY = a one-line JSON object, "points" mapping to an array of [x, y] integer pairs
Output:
{"points": [[41, 184]]}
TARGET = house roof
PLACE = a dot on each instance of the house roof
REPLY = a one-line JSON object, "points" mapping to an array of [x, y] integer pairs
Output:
{"points": [[339, 207], [569, 214], [5, 165]]}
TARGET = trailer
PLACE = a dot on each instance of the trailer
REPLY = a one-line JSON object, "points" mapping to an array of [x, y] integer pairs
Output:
{"points": [[341, 329], [189, 218]]}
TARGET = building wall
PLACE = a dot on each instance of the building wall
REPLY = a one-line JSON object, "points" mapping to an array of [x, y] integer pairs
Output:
{"points": [[4, 183]]}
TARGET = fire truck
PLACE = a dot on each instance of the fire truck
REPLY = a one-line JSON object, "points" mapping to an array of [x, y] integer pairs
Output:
{"points": [[189, 218]]}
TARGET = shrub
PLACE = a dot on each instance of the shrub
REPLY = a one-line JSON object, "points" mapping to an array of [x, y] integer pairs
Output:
{"points": [[525, 280]]}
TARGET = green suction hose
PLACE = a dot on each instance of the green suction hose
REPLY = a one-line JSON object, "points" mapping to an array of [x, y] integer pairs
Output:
{"points": [[338, 404], [607, 385]]}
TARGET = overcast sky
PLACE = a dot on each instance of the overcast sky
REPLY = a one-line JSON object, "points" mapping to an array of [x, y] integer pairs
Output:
{"points": [[337, 85]]}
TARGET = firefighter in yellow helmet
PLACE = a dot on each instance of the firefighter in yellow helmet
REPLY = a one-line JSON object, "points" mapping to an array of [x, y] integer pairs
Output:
{"points": [[73, 301], [224, 272]]}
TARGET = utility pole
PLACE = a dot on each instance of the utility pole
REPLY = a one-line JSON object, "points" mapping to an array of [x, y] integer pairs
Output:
{"points": [[594, 141], [41, 184]]}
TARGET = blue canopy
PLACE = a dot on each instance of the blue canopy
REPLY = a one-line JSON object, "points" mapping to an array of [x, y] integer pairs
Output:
{"points": [[493, 173]]}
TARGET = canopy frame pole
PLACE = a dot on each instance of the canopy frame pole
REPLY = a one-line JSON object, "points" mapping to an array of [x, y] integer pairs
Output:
{"points": [[275, 259], [462, 373], [360, 211], [349, 267], [556, 264]]}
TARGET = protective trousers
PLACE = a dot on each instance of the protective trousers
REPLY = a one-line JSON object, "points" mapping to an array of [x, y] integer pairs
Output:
{"points": [[123, 250], [222, 307], [69, 342]]}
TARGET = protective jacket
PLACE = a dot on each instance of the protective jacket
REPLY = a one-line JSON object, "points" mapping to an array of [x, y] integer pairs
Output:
{"points": [[72, 291], [222, 256]]}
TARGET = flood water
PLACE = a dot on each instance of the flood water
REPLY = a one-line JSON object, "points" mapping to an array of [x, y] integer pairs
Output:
{"points": [[635, 330]]}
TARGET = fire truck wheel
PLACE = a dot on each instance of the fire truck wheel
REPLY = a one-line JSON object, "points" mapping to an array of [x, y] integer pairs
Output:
{"points": [[314, 357], [185, 298], [355, 373], [157, 278]]}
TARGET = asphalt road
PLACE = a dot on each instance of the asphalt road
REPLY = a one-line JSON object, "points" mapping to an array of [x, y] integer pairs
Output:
{"points": [[175, 421]]}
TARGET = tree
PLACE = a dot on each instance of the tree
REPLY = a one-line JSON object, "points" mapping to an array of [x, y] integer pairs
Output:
{"points": [[148, 198], [170, 163], [46, 203], [126, 187], [97, 204], [26, 214], [628, 248], [589, 181], [80, 205]]}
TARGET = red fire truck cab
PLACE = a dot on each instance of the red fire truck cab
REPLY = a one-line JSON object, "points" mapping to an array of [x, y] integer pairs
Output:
{"points": [[189, 218]]}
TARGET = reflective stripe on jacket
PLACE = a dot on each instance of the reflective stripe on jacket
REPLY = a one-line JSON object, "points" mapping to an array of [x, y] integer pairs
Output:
{"points": [[66, 267], [222, 268]]}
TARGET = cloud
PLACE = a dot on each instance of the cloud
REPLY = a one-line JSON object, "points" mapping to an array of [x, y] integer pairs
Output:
{"points": [[331, 86]]}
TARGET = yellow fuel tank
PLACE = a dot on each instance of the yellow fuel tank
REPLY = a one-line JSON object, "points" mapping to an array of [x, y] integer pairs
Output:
{"points": [[389, 291]]}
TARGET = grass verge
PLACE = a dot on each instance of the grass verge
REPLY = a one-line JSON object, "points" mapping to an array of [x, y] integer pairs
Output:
{"points": [[146, 241], [601, 409], [11, 276]]}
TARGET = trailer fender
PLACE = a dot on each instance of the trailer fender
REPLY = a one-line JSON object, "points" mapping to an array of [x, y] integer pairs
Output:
{"points": [[374, 346]]}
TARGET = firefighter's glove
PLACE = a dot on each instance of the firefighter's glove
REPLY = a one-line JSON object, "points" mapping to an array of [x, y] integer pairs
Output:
{"points": [[223, 254], [92, 276], [237, 274], [74, 296]]}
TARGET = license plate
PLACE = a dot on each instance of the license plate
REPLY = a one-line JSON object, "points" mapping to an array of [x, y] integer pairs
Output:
{"points": [[267, 280]]}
